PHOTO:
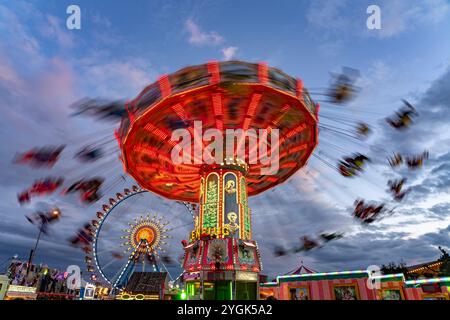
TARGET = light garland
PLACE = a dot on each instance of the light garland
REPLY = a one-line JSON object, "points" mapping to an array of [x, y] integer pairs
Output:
{"points": [[325, 274], [425, 267], [236, 162], [321, 274], [427, 281], [388, 276]]}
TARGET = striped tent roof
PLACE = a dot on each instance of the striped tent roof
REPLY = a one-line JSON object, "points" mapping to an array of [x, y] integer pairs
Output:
{"points": [[302, 269]]}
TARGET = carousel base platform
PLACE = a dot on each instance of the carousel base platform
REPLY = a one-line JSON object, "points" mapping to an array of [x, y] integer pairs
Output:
{"points": [[226, 285]]}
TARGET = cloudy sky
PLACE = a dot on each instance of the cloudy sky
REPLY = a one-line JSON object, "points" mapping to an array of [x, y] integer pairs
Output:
{"points": [[122, 46]]}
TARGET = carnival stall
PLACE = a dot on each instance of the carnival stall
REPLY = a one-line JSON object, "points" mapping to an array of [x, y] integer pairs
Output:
{"points": [[21, 293], [4, 282], [354, 285]]}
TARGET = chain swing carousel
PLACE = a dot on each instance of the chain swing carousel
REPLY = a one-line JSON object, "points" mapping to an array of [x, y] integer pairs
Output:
{"points": [[221, 260]]}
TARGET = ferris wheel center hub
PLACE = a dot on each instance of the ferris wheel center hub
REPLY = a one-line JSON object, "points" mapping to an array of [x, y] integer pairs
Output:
{"points": [[145, 234]]}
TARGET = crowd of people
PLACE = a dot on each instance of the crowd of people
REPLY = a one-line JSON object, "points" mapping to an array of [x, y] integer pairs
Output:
{"points": [[43, 278]]}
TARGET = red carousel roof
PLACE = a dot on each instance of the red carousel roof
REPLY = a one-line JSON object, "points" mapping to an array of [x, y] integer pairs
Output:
{"points": [[226, 95]]}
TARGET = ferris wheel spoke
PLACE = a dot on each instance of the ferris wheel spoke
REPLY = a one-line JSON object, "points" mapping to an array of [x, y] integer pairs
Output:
{"points": [[180, 226], [121, 272], [106, 265], [118, 273], [110, 250], [164, 266]]}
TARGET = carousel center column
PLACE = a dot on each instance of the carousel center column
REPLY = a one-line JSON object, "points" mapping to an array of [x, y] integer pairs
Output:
{"points": [[227, 259]]}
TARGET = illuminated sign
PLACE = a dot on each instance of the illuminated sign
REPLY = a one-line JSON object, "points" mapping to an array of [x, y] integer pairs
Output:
{"points": [[191, 276], [14, 288], [219, 232], [246, 276], [126, 296], [89, 292]]}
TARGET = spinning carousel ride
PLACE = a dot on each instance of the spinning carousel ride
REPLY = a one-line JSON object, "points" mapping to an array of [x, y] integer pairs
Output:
{"points": [[221, 260], [171, 141]]}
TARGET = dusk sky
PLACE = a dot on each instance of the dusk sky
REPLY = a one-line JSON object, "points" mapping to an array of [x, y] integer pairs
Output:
{"points": [[123, 46]]}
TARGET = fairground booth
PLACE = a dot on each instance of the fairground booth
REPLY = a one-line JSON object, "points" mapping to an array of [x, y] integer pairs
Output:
{"points": [[145, 286], [354, 285]]}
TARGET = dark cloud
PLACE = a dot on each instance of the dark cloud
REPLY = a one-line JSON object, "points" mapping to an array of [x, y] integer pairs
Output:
{"points": [[441, 209], [292, 214], [362, 250], [440, 238]]}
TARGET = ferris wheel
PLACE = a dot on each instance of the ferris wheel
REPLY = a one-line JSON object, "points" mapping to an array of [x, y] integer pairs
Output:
{"points": [[138, 231]]}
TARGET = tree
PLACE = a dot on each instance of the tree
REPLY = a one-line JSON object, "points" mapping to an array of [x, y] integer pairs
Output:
{"points": [[444, 270], [392, 268]]}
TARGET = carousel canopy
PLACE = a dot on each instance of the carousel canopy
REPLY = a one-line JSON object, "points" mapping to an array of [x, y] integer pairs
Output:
{"points": [[226, 95]]}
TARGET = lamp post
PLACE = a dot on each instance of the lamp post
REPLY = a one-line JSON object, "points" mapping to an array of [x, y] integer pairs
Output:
{"points": [[45, 219]]}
